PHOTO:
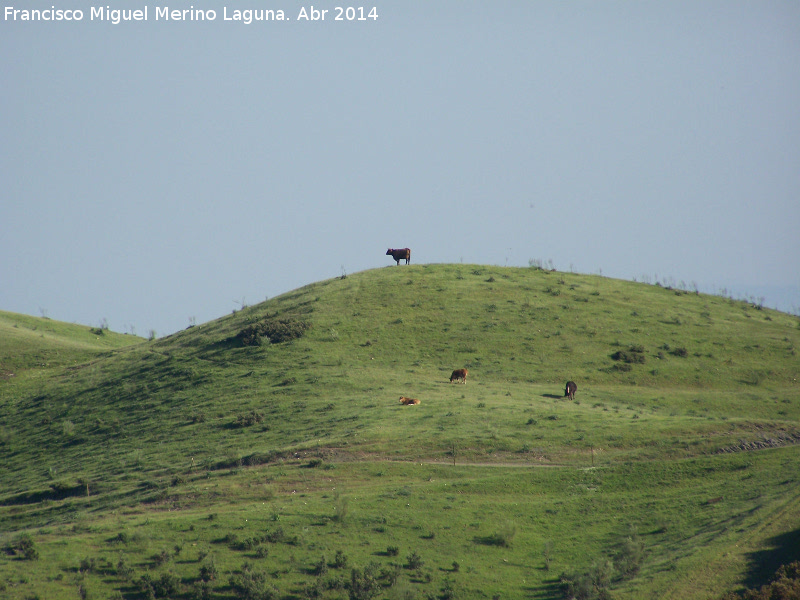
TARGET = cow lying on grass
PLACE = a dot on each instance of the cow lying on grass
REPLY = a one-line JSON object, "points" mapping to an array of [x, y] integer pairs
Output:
{"points": [[408, 401], [459, 375]]}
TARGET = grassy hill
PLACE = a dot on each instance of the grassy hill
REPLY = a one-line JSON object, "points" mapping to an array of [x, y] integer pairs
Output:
{"points": [[266, 455]]}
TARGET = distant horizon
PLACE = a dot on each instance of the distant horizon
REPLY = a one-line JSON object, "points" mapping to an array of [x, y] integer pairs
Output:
{"points": [[785, 299]]}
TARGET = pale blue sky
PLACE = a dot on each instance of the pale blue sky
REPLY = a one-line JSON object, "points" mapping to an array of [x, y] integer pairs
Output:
{"points": [[155, 171]]}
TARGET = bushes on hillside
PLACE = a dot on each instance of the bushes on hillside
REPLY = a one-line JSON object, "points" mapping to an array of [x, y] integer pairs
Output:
{"points": [[248, 419], [252, 585], [272, 331], [594, 583], [23, 547], [634, 355], [785, 585]]}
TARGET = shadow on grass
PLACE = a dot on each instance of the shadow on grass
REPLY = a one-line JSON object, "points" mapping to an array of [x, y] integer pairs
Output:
{"points": [[57, 491], [549, 590], [492, 540], [554, 396], [784, 549]]}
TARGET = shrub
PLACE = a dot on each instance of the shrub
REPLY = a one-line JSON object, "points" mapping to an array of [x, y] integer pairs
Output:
{"points": [[124, 570], [634, 355], [273, 331], [121, 538], [276, 536], [22, 546], [785, 585], [313, 589], [88, 565], [162, 557], [629, 559], [588, 585], [448, 591], [163, 587], [201, 591], [248, 419], [392, 550], [414, 561], [340, 508], [320, 568], [252, 585], [166, 585], [680, 352], [340, 560], [502, 537], [364, 584], [389, 576], [208, 571]]}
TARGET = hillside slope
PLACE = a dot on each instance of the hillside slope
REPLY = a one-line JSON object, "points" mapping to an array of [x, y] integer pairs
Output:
{"points": [[665, 377], [31, 342]]}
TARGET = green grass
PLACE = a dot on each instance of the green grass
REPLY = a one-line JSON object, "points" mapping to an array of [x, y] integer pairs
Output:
{"points": [[171, 453]]}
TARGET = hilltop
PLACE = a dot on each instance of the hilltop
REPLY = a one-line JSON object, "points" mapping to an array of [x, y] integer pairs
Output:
{"points": [[687, 415]]}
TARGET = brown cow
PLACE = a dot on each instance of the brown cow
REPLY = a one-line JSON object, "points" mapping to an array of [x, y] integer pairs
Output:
{"points": [[400, 254], [570, 389], [459, 374], [408, 401]]}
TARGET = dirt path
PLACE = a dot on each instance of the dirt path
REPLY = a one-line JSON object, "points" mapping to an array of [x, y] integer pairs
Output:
{"points": [[501, 464]]}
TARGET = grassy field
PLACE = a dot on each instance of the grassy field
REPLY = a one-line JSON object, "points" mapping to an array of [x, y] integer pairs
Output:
{"points": [[266, 455]]}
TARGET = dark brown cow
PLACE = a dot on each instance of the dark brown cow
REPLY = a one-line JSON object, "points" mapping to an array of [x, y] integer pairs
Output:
{"points": [[459, 375], [400, 254], [570, 389], [408, 401]]}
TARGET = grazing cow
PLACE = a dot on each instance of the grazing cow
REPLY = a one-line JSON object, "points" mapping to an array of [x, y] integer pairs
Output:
{"points": [[570, 390], [459, 374], [408, 401], [400, 254]]}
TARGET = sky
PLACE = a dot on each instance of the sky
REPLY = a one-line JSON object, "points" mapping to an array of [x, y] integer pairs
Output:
{"points": [[159, 173]]}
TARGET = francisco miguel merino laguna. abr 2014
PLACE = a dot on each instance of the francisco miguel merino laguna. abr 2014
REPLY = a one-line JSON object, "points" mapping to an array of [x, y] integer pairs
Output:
{"points": [[161, 13]]}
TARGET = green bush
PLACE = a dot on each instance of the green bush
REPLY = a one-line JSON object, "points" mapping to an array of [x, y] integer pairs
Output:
{"points": [[630, 557], [273, 331], [164, 586], [785, 585], [248, 419], [503, 537], [320, 568], [252, 585], [634, 355], [340, 560], [88, 565], [588, 585], [364, 584], [23, 547], [414, 561], [208, 571], [124, 570]]}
